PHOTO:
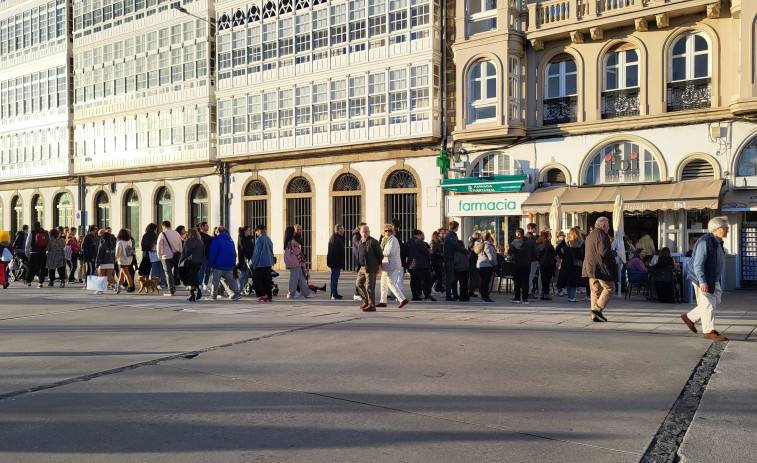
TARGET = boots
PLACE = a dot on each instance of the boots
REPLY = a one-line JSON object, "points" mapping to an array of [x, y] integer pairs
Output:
{"points": [[199, 294], [192, 296]]}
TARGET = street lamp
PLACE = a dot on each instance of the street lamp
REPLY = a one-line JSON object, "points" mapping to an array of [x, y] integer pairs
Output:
{"points": [[181, 9]]}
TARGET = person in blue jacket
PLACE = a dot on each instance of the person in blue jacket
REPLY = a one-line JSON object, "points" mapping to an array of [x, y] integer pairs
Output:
{"points": [[223, 259], [262, 261]]}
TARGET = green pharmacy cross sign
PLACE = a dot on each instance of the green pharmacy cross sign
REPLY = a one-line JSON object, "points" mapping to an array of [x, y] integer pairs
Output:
{"points": [[491, 184], [442, 162]]}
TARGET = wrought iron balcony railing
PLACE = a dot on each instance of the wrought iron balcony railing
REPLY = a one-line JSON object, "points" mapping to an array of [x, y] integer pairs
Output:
{"points": [[560, 110], [689, 94], [620, 103]]}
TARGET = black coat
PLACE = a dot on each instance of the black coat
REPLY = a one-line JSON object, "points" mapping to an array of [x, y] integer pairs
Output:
{"points": [[335, 256], [523, 251], [355, 242], [89, 247], [418, 254], [570, 272]]}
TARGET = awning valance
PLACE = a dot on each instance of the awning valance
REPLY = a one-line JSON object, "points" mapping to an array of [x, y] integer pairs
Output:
{"points": [[740, 200], [491, 184], [689, 194]]}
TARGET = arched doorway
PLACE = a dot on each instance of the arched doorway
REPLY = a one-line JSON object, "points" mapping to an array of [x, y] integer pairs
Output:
{"points": [[131, 213], [163, 206], [63, 210], [198, 205], [401, 202], [17, 214], [102, 210], [255, 204], [347, 195], [299, 197]]}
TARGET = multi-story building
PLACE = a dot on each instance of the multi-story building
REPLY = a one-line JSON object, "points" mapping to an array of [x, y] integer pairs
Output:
{"points": [[648, 99], [35, 121], [330, 112]]}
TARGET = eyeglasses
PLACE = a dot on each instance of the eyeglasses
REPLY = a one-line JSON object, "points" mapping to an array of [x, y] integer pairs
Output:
{"points": [[388, 231]]}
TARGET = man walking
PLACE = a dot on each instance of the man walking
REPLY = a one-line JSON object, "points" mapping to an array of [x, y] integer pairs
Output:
{"points": [[204, 276], [355, 238], [704, 270], [452, 246], [169, 251], [419, 257], [223, 259], [89, 250], [36, 252], [523, 251], [262, 261], [335, 259], [369, 257], [599, 267]]}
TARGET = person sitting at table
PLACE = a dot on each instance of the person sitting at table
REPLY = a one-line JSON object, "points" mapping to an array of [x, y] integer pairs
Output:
{"points": [[664, 288], [637, 263]]}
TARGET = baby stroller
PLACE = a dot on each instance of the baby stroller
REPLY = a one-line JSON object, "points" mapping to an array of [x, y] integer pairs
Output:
{"points": [[250, 289], [17, 268]]}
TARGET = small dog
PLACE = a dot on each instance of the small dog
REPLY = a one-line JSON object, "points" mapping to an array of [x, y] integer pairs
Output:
{"points": [[147, 284]]}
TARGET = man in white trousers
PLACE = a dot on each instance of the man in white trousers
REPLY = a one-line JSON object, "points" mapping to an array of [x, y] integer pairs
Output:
{"points": [[704, 270]]}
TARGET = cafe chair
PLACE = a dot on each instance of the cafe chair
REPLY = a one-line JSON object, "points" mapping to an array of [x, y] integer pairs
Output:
{"points": [[638, 279], [665, 282], [504, 273]]}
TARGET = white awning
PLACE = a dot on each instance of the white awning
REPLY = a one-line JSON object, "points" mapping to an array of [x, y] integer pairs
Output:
{"points": [[740, 200]]}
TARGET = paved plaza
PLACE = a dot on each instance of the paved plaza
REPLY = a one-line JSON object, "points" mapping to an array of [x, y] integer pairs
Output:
{"points": [[134, 378]]}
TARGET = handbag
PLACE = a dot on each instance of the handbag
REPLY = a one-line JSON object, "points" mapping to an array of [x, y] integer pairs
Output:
{"points": [[7, 256], [96, 283]]}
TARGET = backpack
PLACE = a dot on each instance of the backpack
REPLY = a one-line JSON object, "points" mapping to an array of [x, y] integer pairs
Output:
{"points": [[67, 252], [41, 239]]}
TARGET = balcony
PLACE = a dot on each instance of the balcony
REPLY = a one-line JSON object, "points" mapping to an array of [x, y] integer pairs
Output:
{"points": [[560, 110], [620, 103], [689, 94], [556, 19]]}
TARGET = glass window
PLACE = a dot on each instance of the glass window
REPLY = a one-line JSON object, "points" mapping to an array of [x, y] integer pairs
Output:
{"points": [[163, 205], [482, 92], [561, 78], [198, 201], [621, 69], [747, 165], [482, 16], [690, 58], [622, 162]]}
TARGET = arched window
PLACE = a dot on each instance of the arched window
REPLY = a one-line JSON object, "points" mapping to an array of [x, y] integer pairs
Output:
{"points": [[302, 4], [17, 214], [163, 205], [239, 19], [697, 169], [299, 199], [198, 205], [747, 165], [620, 85], [482, 16], [347, 209], [689, 83], [255, 204], [38, 210], [622, 162], [285, 6], [254, 14], [401, 201], [223, 22], [560, 90], [496, 164], [63, 210], [482, 92], [102, 210], [554, 177], [131, 212], [269, 11]]}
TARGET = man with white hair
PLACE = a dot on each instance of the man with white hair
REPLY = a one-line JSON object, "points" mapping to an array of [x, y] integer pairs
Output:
{"points": [[599, 267], [704, 270]]}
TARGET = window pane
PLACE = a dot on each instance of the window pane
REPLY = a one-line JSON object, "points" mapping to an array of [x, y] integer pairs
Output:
{"points": [[700, 66], [570, 66], [680, 47], [611, 78], [632, 76], [632, 56], [679, 68], [571, 85], [553, 87], [700, 44]]}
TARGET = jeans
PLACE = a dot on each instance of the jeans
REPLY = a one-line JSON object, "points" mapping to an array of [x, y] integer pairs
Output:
{"points": [[171, 267], [228, 277], [335, 272], [204, 272], [72, 269], [451, 283], [157, 271]]}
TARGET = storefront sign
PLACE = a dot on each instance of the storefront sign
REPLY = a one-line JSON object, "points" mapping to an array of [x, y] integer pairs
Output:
{"points": [[484, 205], [484, 184]]}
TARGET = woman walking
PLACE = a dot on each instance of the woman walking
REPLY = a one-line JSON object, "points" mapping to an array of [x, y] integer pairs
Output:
{"points": [[572, 263], [295, 262], [149, 245], [391, 268], [545, 253], [73, 245], [335, 259], [56, 258], [106, 258], [245, 248], [487, 260], [124, 257], [437, 261], [192, 256]]}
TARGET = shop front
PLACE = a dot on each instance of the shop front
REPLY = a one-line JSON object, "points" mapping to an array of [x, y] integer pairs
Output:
{"points": [[490, 204], [741, 206]]}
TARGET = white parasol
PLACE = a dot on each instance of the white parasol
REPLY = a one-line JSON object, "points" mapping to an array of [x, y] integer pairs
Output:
{"points": [[555, 219]]}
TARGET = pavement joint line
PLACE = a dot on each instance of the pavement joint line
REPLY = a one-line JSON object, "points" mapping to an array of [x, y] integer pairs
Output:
{"points": [[666, 442], [187, 355], [34, 315], [400, 410]]}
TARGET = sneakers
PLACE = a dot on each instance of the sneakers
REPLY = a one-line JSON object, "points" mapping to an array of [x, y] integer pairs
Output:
{"points": [[310, 295], [430, 299], [598, 314], [62, 284], [118, 289], [486, 300], [560, 293], [515, 301], [526, 302], [236, 297], [168, 293], [337, 297], [40, 286], [357, 297], [587, 298], [546, 298], [443, 294], [98, 292], [296, 296], [262, 299], [571, 299]]}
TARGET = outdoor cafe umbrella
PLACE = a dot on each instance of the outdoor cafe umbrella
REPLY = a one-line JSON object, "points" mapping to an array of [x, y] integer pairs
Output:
{"points": [[618, 245], [555, 219]]}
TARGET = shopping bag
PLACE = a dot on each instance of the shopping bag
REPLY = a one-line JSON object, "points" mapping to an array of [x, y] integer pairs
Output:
{"points": [[7, 256], [96, 283], [12, 266]]}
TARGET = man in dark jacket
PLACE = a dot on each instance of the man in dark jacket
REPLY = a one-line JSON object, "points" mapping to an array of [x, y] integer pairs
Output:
{"points": [[600, 268], [207, 240], [419, 257], [19, 242], [37, 254], [222, 260], [523, 251], [89, 249], [355, 238], [335, 258], [369, 258], [451, 246], [704, 270]]}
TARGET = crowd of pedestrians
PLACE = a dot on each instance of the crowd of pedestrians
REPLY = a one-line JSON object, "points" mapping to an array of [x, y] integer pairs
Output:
{"points": [[214, 264]]}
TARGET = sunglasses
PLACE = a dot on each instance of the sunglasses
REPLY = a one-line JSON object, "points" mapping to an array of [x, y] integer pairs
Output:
{"points": [[388, 231]]}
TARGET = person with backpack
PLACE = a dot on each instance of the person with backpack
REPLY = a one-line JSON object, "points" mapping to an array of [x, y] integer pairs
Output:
{"points": [[71, 253], [124, 257], [36, 252], [56, 257], [19, 242]]}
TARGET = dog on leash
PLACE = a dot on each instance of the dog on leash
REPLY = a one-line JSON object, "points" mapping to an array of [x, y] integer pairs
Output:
{"points": [[147, 284]]}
